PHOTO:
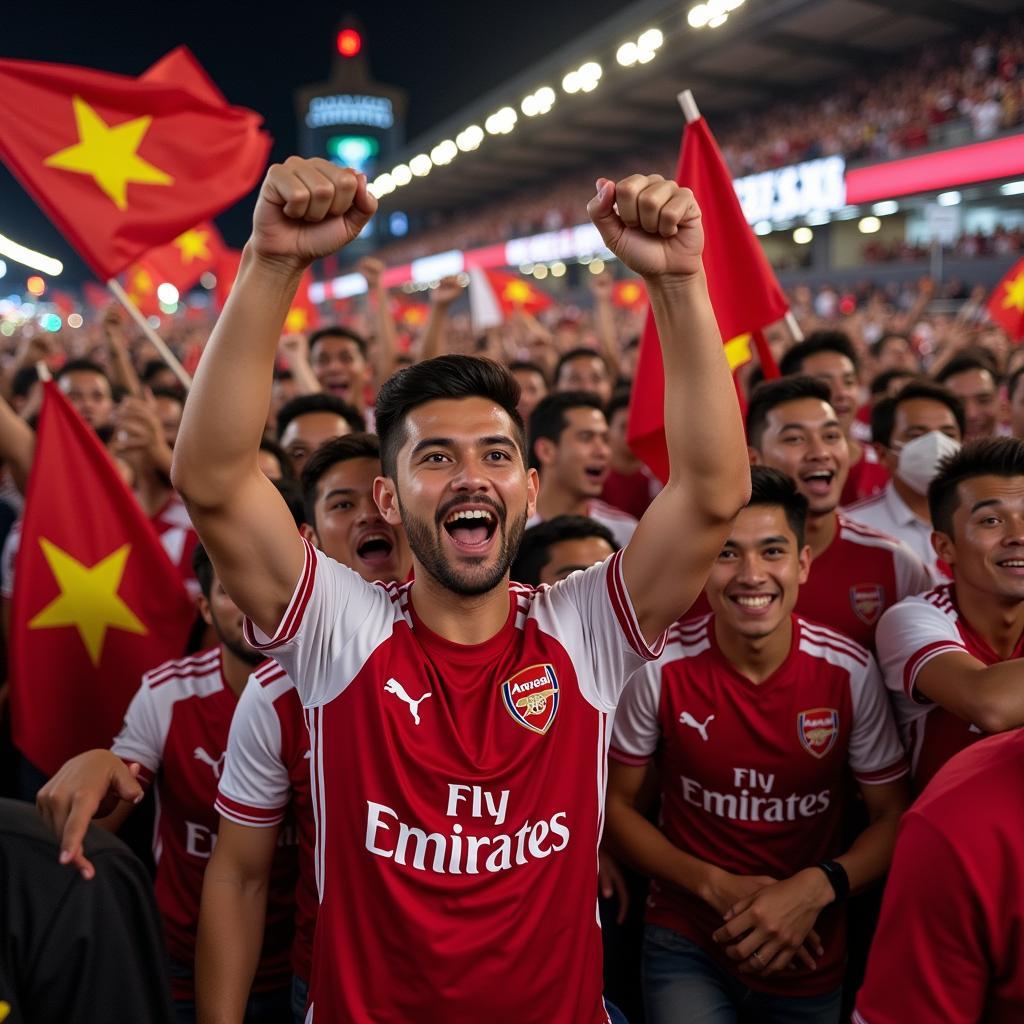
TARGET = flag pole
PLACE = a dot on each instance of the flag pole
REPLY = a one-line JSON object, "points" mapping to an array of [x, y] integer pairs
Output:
{"points": [[158, 343]]}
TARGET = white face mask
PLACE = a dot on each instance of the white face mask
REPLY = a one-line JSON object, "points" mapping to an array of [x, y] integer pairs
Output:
{"points": [[919, 459]]}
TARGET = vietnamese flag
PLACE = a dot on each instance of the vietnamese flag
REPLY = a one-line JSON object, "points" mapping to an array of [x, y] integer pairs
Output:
{"points": [[494, 295], [140, 284], [96, 600], [410, 314], [1006, 306], [185, 260], [303, 316], [744, 291], [122, 165], [629, 294], [226, 270]]}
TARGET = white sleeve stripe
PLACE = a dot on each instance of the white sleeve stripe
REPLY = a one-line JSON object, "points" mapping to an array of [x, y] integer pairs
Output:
{"points": [[917, 661], [858, 1019], [251, 820], [292, 618], [898, 771], [624, 612], [636, 760]]}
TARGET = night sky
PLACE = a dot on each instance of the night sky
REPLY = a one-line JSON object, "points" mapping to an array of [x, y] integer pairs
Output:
{"points": [[443, 53]]}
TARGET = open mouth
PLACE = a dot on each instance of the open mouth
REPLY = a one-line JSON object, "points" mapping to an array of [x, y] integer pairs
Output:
{"points": [[375, 548], [819, 482], [595, 473], [471, 529]]}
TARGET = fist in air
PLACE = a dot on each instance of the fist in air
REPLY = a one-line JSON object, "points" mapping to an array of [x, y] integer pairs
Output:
{"points": [[651, 224], [308, 209]]}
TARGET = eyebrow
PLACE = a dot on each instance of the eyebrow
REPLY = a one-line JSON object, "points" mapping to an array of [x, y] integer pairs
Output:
{"points": [[760, 542], [449, 442], [339, 490], [805, 426], [986, 503]]}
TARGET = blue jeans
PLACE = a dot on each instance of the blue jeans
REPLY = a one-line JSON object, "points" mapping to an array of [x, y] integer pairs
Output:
{"points": [[683, 985], [300, 994]]}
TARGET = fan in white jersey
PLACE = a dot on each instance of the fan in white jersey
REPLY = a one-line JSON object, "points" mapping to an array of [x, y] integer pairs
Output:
{"points": [[952, 656], [570, 449], [266, 770], [748, 725], [458, 724]]}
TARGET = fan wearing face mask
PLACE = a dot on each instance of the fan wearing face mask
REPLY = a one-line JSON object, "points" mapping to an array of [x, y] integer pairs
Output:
{"points": [[912, 432]]}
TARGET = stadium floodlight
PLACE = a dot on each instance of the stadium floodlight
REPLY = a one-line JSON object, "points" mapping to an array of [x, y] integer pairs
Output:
{"points": [[627, 54], [29, 257], [802, 236], [469, 138], [383, 185], [949, 198], [75, 320], [539, 102], [501, 122], [596, 266], [868, 225], [763, 227], [558, 269], [420, 165], [1012, 188], [401, 175], [571, 82], [540, 271], [589, 75], [885, 208], [699, 16], [444, 152], [650, 40]]}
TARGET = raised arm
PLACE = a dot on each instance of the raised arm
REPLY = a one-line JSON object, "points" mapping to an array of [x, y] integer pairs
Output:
{"points": [[386, 347], [988, 696], [306, 209], [654, 227]]}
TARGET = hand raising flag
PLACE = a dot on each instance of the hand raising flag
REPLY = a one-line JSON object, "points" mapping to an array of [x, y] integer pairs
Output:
{"points": [[122, 165]]}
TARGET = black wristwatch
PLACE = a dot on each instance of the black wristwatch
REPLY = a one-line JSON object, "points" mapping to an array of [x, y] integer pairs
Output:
{"points": [[837, 878]]}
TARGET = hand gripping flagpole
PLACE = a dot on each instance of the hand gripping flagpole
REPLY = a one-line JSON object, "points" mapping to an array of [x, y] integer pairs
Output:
{"points": [[159, 344]]}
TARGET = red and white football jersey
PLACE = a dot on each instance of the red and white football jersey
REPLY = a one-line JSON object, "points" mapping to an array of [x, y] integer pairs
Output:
{"points": [[176, 728], [620, 524], [859, 575], [909, 636], [754, 777], [459, 796], [179, 539], [866, 477], [950, 942], [266, 779]]}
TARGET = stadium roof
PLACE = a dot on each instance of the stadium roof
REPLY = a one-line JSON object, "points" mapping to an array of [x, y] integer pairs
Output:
{"points": [[766, 50]]}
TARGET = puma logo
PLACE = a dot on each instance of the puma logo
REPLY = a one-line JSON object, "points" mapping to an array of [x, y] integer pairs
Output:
{"points": [[215, 766], [702, 727], [395, 687]]}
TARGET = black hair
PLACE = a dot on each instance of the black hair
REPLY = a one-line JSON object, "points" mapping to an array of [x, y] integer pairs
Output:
{"points": [[619, 400], [773, 487], [175, 394], [880, 382], [970, 359], [203, 568], [580, 352], [526, 364], [337, 331], [151, 369], [883, 415], [290, 490], [771, 393], [443, 377], [988, 456], [535, 549], [23, 380], [284, 460], [815, 342], [83, 366], [319, 401], [330, 453], [877, 346], [548, 418]]}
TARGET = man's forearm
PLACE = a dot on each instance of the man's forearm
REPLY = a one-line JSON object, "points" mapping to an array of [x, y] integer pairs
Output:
{"points": [[227, 406], [868, 859]]}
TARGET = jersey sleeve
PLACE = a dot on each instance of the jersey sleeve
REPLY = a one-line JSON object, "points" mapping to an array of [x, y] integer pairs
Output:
{"points": [[332, 623], [876, 754], [928, 961], [254, 787], [912, 575], [593, 613], [910, 634], [144, 732], [636, 731]]}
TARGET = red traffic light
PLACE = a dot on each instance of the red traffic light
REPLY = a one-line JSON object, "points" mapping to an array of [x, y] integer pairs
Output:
{"points": [[350, 42]]}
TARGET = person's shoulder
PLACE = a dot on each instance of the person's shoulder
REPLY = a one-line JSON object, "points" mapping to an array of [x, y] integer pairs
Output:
{"points": [[854, 532], [182, 677], [864, 505], [930, 606], [824, 644], [688, 638], [601, 510]]}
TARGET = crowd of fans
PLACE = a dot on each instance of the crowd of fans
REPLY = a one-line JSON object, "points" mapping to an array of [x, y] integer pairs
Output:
{"points": [[1003, 241]]}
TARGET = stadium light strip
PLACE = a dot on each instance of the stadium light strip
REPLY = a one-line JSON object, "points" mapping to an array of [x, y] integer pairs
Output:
{"points": [[29, 257]]}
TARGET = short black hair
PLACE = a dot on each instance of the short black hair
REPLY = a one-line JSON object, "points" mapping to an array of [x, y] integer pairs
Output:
{"points": [[988, 456], [330, 453], [970, 359], [319, 401], [337, 331], [771, 393], [174, 394], [548, 418], [619, 400], [84, 366], [815, 342], [773, 487], [880, 382], [877, 346], [284, 460], [580, 352], [443, 377], [883, 415], [203, 568], [23, 381], [535, 549], [526, 364], [151, 369]]}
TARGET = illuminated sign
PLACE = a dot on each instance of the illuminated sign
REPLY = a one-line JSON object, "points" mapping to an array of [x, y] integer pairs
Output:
{"points": [[372, 111], [355, 151], [817, 186]]}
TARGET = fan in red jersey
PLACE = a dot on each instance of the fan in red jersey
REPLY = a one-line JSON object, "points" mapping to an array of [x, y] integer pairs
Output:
{"points": [[948, 943], [569, 449], [266, 770], [458, 723], [856, 573], [748, 724], [952, 656], [174, 736]]}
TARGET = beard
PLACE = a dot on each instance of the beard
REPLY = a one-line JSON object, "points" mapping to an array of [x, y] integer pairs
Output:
{"points": [[238, 647], [426, 544]]}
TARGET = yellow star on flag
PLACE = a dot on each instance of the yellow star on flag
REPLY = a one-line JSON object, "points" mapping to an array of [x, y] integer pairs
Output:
{"points": [[1014, 297], [297, 320], [193, 245], [108, 154], [630, 292], [737, 351], [88, 598], [518, 291]]}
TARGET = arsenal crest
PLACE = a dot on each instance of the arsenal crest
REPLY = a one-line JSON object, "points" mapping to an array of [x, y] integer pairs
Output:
{"points": [[818, 730], [531, 697], [867, 600]]}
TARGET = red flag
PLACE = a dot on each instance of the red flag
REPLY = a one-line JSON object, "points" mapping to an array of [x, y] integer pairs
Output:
{"points": [[185, 260], [629, 294], [96, 295], [410, 314], [303, 315], [744, 291], [96, 600], [494, 295], [123, 164], [140, 284], [1006, 305], [65, 303], [227, 270]]}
